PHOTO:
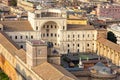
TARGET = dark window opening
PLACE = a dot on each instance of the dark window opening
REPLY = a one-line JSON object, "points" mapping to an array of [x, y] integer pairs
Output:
{"points": [[31, 37], [21, 46], [20, 37], [68, 45], [15, 37], [51, 34], [47, 26], [78, 45], [36, 27], [47, 34]]}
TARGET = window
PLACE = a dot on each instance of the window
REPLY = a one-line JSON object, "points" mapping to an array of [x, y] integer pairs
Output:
{"points": [[87, 45], [51, 26], [78, 50], [88, 35], [47, 26], [55, 43], [43, 34], [55, 26], [26, 37], [78, 45], [68, 36], [73, 35], [31, 37], [47, 34], [73, 44], [15, 37], [51, 34], [63, 27], [43, 26], [55, 35], [0, 28], [36, 27], [21, 46], [78, 35], [20, 37], [83, 35], [68, 45]]}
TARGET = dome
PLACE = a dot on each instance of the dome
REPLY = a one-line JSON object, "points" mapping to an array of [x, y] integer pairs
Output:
{"points": [[115, 27]]}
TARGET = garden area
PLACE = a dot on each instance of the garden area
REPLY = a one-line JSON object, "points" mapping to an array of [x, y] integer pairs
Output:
{"points": [[3, 76]]}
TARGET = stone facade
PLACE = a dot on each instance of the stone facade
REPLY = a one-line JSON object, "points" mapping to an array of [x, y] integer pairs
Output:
{"points": [[109, 50]]}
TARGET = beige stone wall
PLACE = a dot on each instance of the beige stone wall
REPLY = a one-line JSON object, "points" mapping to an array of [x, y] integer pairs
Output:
{"points": [[109, 53]]}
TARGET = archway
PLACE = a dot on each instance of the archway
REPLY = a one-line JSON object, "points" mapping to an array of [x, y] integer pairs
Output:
{"points": [[49, 32]]}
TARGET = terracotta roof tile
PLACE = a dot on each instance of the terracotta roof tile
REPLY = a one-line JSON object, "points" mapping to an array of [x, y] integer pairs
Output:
{"points": [[53, 72], [79, 27], [109, 44], [16, 25]]}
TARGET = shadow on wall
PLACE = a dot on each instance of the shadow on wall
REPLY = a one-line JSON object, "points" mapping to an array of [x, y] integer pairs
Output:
{"points": [[23, 73]]}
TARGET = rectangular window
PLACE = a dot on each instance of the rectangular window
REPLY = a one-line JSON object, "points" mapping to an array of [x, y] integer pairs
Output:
{"points": [[15, 37], [83, 36], [36, 27], [26, 37], [20, 37], [31, 37]]}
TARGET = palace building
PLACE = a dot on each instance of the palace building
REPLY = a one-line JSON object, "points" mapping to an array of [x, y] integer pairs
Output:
{"points": [[24, 50], [52, 25]]}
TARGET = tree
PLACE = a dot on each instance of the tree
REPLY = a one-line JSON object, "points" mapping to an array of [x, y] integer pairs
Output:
{"points": [[111, 37], [13, 2]]}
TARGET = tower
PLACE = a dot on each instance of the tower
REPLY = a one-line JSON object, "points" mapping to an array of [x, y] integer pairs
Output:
{"points": [[36, 52]]}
